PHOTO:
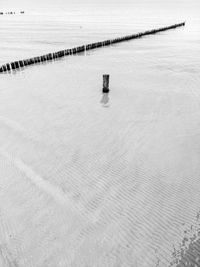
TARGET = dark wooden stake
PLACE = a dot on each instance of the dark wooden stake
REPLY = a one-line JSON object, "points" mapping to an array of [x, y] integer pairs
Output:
{"points": [[105, 83]]}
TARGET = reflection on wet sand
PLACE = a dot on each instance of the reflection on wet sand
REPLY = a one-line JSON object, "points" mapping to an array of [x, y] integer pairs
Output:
{"points": [[188, 253], [190, 257], [105, 100]]}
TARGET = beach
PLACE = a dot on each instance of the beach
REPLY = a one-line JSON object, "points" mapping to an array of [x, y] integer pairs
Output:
{"points": [[92, 179]]}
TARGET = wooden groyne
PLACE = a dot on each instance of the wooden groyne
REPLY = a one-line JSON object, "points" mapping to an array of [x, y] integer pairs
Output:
{"points": [[80, 49]]}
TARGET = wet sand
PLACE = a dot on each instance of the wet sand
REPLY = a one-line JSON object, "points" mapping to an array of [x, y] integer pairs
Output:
{"points": [[93, 180]]}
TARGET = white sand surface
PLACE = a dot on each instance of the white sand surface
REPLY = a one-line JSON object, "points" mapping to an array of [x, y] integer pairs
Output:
{"points": [[93, 180]]}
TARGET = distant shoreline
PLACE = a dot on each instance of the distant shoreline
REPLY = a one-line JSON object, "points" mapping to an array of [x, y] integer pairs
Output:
{"points": [[12, 13]]}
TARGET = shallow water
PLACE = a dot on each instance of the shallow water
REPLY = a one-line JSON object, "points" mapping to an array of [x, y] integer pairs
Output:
{"points": [[99, 180]]}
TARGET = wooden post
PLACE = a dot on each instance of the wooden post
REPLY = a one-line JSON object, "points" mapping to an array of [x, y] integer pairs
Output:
{"points": [[8, 67], [105, 83], [13, 66], [21, 63], [16, 64], [4, 68]]}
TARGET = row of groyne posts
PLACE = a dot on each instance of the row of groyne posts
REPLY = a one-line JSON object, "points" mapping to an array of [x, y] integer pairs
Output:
{"points": [[16, 65], [11, 13]]}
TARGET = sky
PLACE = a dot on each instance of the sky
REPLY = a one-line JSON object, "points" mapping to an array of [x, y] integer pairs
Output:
{"points": [[190, 7], [35, 3]]}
